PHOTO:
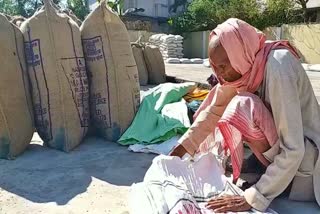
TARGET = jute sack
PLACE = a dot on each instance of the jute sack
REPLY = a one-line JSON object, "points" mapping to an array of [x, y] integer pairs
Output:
{"points": [[141, 65], [114, 80], [16, 119], [155, 64], [57, 71], [72, 16]]}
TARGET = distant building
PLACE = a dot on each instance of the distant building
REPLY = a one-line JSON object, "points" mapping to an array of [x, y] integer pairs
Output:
{"points": [[152, 8], [154, 16], [314, 5]]}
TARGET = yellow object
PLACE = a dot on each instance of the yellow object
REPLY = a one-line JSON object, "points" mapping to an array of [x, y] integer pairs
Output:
{"points": [[196, 94]]}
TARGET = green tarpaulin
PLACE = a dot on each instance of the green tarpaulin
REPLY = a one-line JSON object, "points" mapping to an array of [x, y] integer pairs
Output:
{"points": [[150, 126]]}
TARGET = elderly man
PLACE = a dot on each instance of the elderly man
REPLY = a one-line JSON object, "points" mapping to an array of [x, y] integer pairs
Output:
{"points": [[263, 98]]}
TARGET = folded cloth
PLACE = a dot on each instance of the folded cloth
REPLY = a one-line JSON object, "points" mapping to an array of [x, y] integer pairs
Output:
{"points": [[194, 105], [161, 148], [155, 122], [196, 94]]}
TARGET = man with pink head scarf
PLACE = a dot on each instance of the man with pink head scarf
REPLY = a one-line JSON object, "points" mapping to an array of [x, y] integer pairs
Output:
{"points": [[263, 98]]}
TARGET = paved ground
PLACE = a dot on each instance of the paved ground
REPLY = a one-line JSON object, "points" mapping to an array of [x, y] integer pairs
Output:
{"points": [[94, 178]]}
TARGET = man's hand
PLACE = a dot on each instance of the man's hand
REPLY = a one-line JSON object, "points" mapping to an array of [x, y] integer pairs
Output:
{"points": [[179, 151], [228, 203]]}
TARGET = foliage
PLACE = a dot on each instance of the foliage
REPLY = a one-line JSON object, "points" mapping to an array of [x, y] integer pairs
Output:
{"points": [[280, 12], [25, 8], [305, 13], [206, 14], [79, 7], [6, 7], [178, 3], [117, 6], [303, 4]]}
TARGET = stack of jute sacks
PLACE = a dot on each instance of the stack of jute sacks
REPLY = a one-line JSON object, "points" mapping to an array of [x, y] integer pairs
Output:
{"points": [[171, 46], [62, 80], [150, 63], [156, 39]]}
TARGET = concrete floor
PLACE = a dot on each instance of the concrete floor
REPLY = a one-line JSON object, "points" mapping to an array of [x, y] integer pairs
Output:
{"points": [[96, 176]]}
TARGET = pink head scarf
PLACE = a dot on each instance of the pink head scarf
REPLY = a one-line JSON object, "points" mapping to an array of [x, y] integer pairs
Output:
{"points": [[247, 51]]}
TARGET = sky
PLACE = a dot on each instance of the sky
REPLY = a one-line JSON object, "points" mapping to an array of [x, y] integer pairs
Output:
{"points": [[64, 2]]}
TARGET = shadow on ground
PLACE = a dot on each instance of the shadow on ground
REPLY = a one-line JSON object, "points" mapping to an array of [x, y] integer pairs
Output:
{"points": [[45, 175]]}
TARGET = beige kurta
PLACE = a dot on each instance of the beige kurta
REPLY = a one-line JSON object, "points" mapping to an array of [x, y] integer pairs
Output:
{"points": [[287, 91]]}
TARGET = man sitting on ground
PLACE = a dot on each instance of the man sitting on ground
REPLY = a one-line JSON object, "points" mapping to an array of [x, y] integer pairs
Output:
{"points": [[263, 98]]}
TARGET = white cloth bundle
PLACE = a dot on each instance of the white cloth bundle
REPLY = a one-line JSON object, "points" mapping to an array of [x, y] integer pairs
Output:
{"points": [[172, 186]]}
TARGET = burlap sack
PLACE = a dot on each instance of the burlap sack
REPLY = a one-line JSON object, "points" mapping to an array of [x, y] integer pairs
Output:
{"points": [[16, 126], [155, 64], [114, 80], [57, 71], [72, 16], [18, 20], [141, 65]]}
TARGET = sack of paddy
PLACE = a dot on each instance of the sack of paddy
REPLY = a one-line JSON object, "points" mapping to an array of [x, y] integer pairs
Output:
{"points": [[185, 61], [155, 64], [16, 117], [141, 65], [57, 72], [196, 61], [173, 60], [114, 79]]}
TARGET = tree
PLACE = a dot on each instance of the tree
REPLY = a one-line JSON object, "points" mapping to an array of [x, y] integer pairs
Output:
{"points": [[116, 6], [178, 3], [6, 7], [79, 7], [25, 8], [280, 12], [206, 14], [303, 4]]}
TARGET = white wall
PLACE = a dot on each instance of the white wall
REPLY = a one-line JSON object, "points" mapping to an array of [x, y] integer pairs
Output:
{"points": [[145, 4], [153, 8], [313, 3]]}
